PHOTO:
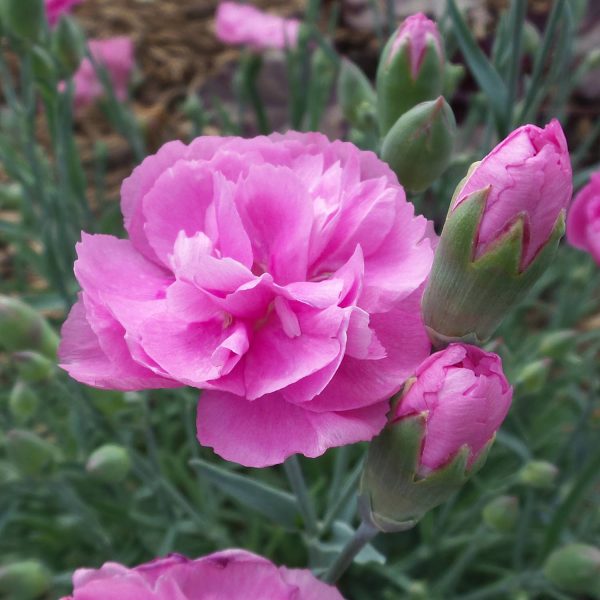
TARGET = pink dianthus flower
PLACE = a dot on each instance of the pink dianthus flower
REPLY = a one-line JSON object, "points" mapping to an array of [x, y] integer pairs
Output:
{"points": [[55, 8], [226, 575], [283, 275], [583, 223], [116, 56], [244, 24]]}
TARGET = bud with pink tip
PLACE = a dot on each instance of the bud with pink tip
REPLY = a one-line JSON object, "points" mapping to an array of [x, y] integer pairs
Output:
{"points": [[411, 69], [504, 224], [438, 436], [583, 224]]}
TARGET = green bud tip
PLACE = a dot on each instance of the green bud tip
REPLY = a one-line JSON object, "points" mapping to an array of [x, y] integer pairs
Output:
{"points": [[575, 568], [419, 146], [538, 474], [109, 463], [24, 580], [502, 513]]}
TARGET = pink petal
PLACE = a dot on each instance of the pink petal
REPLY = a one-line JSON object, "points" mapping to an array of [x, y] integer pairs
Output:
{"points": [[311, 588], [276, 360], [266, 431], [193, 353], [276, 211], [359, 383], [177, 202], [99, 356]]}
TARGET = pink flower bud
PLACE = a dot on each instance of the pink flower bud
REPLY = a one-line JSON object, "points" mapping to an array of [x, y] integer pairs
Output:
{"points": [[247, 25], [529, 177], [55, 8], [583, 223], [417, 32], [464, 396]]}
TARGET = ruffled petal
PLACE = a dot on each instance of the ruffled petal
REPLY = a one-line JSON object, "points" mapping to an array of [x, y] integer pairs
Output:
{"points": [[266, 431]]}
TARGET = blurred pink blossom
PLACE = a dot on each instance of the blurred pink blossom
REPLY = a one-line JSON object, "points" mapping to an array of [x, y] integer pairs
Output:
{"points": [[55, 8], [465, 397], [529, 175], [417, 31], [281, 274], [116, 55], [244, 24], [226, 575], [583, 223]]}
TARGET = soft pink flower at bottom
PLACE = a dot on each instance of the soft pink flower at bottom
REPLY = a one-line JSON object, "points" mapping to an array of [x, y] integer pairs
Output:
{"points": [[226, 575]]}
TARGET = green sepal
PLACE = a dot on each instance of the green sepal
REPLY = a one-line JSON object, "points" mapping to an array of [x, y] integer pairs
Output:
{"points": [[393, 495], [467, 298], [397, 90]]}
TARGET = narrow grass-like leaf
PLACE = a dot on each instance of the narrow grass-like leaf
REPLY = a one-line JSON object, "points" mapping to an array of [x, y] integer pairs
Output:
{"points": [[276, 505], [484, 72]]}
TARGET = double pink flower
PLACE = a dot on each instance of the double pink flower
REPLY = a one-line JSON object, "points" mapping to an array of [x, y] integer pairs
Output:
{"points": [[283, 275], [226, 575]]}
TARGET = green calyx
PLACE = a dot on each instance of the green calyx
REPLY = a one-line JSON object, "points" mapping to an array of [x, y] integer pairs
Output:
{"points": [[419, 146], [467, 298], [393, 495], [397, 89]]}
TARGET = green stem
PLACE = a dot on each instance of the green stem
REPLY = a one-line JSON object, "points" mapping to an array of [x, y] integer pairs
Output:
{"points": [[362, 536], [295, 477], [342, 498]]}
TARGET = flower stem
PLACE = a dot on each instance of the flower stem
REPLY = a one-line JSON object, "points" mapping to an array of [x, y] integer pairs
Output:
{"points": [[362, 536], [298, 485]]}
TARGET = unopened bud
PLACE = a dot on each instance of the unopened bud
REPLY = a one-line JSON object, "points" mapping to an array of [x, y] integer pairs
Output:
{"points": [[44, 70], [428, 450], [25, 580], [23, 402], [419, 146], [411, 69], [356, 95], [29, 452], [557, 343], [109, 463], [539, 474], [504, 224], [533, 376], [33, 366], [575, 568], [68, 45], [501, 513], [22, 328]]}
